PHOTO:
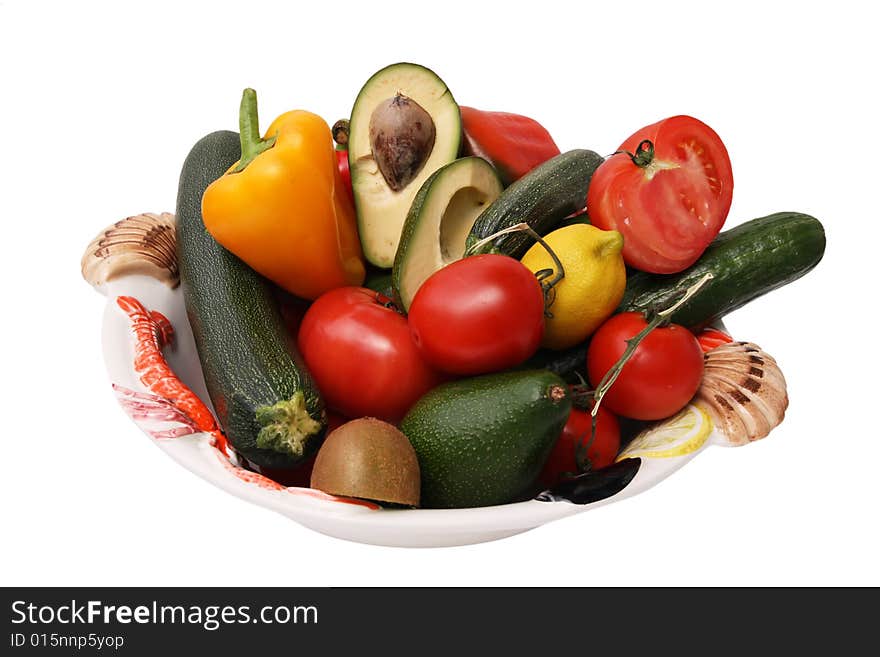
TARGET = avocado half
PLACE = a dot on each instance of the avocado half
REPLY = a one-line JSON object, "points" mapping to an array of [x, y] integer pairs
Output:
{"points": [[404, 125], [439, 220]]}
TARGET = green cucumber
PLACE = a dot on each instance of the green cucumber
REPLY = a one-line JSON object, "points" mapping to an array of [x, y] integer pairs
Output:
{"points": [[266, 402], [483, 440], [746, 262], [542, 198]]}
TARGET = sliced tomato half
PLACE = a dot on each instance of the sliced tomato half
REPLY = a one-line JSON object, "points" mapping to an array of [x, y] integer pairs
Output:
{"points": [[667, 190]]}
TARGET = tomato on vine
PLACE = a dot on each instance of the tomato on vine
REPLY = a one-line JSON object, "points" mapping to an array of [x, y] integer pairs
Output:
{"points": [[596, 452], [659, 378]]}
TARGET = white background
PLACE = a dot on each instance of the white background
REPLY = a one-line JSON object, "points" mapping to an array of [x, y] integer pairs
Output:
{"points": [[99, 104]]}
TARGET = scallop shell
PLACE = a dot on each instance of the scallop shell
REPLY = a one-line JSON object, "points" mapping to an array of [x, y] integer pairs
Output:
{"points": [[143, 244], [744, 391]]}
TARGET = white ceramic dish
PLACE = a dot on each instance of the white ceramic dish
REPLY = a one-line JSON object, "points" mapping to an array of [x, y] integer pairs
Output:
{"points": [[347, 519]]}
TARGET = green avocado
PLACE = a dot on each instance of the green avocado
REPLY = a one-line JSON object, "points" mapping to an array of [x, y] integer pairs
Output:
{"points": [[439, 221], [482, 441], [404, 125]]}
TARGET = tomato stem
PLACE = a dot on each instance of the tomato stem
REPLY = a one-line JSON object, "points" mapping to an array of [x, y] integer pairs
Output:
{"points": [[582, 461], [544, 274], [643, 156], [387, 302], [581, 395], [632, 344], [249, 131]]}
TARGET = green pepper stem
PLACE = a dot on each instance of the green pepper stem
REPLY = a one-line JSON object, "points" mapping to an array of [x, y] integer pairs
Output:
{"points": [[249, 128]]}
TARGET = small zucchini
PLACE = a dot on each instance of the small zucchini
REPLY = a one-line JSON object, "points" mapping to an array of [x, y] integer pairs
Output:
{"points": [[542, 198]]}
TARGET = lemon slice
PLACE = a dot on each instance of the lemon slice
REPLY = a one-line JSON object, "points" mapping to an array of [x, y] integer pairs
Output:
{"points": [[681, 434]]}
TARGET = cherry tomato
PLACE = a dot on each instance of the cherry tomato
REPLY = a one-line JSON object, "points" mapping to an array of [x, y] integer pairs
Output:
{"points": [[601, 453], [661, 377], [361, 355], [670, 200], [481, 314], [710, 338]]}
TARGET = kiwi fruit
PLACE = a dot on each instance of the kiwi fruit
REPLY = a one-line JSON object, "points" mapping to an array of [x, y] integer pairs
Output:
{"points": [[369, 459]]}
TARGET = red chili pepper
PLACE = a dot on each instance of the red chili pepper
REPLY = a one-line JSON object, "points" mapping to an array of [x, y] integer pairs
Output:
{"points": [[710, 338], [513, 144], [342, 163]]}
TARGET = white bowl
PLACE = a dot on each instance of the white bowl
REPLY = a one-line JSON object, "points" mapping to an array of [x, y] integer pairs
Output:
{"points": [[353, 520]]}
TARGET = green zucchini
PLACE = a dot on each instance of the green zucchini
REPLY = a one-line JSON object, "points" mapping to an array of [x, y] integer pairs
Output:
{"points": [[265, 400], [746, 261], [542, 198]]}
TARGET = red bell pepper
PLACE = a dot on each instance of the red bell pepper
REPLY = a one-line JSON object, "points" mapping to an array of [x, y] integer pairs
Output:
{"points": [[513, 144]]}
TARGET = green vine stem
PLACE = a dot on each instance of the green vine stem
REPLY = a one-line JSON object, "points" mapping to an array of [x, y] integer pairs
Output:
{"points": [[631, 345], [249, 130], [643, 156], [547, 277]]}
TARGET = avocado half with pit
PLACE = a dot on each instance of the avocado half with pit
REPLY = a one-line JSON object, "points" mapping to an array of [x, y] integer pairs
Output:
{"points": [[439, 220], [404, 126]]}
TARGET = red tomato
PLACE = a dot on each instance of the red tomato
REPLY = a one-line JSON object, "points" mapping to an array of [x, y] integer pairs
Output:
{"points": [[361, 355], [481, 314], [670, 205], [710, 338], [601, 452], [661, 377]]}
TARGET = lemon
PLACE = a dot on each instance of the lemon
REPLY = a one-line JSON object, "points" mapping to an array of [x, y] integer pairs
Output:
{"points": [[595, 278], [681, 434]]}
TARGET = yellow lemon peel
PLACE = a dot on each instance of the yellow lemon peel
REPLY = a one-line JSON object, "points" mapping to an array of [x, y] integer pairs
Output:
{"points": [[595, 279]]}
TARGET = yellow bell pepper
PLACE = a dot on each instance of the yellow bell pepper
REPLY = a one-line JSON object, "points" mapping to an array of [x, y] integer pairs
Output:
{"points": [[283, 209]]}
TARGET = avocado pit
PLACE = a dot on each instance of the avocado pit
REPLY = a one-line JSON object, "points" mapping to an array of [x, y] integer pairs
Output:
{"points": [[402, 137]]}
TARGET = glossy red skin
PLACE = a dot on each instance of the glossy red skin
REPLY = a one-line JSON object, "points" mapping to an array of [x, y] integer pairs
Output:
{"points": [[344, 171], [601, 453], [361, 355], [481, 314], [653, 212], [710, 338], [514, 144], [661, 377]]}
